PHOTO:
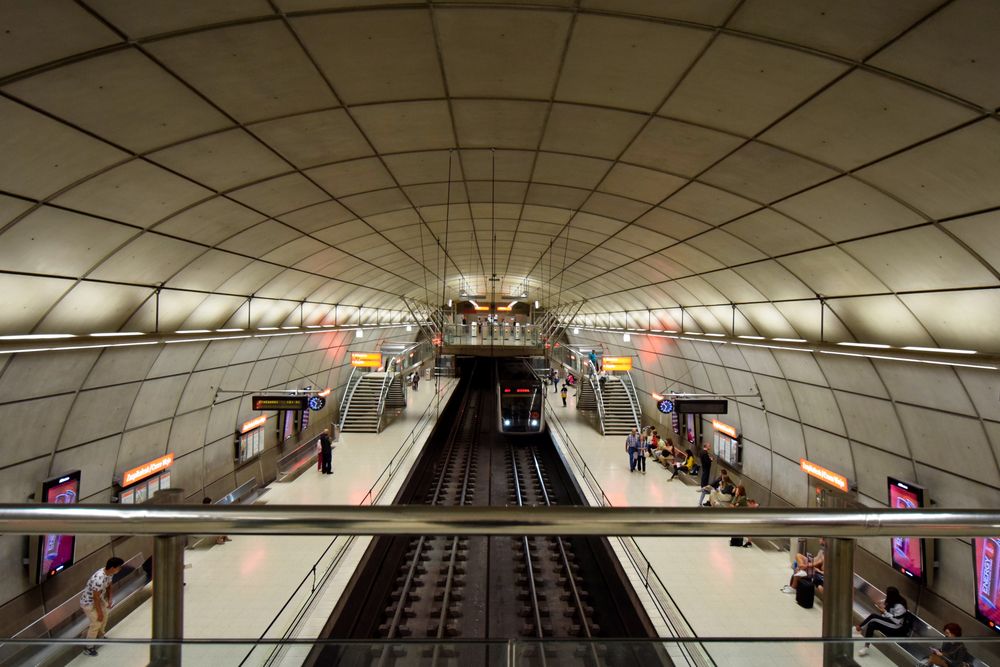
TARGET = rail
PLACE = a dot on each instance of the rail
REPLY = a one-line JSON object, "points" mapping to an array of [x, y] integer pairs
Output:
{"points": [[35, 519], [382, 393], [595, 386], [633, 398], [353, 380]]}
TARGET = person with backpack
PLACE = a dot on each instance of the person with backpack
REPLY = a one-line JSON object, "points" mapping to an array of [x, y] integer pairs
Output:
{"points": [[892, 622]]}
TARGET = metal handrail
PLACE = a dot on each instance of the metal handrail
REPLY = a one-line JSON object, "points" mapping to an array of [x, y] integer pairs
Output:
{"points": [[383, 392], [595, 386], [633, 398], [34, 519], [345, 401]]}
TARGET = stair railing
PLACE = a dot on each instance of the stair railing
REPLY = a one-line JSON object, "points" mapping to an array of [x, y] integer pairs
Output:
{"points": [[383, 392], [595, 385], [633, 397], [345, 403]]}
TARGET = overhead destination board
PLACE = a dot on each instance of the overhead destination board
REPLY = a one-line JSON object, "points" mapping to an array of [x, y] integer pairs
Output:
{"points": [[366, 359], [616, 364], [701, 406], [280, 402]]}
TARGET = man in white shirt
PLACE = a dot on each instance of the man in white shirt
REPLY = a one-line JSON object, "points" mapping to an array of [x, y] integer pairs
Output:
{"points": [[96, 600]]}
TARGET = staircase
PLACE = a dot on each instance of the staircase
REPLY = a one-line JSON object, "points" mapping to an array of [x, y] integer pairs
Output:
{"points": [[395, 396], [586, 397], [362, 412], [620, 416]]}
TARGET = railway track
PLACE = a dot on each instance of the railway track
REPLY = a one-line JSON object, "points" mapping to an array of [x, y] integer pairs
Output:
{"points": [[447, 588]]}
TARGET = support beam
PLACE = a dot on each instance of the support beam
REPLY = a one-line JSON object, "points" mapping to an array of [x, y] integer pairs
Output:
{"points": [[838, 601]]}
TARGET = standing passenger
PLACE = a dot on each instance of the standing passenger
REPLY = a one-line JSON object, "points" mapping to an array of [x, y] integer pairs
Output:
{"points": [[640, 453], [593, 360], [706, 464], [631, 445], [564, 393], [326, 450], [96, 601]]}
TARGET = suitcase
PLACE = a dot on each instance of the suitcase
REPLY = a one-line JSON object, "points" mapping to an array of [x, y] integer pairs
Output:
{"points": [[736, 541], [805, 593]]}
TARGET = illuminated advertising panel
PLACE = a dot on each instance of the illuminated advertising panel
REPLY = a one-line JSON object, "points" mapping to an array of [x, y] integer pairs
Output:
{"points": [[827, 476], [987, 559], [907, 552], [56, 552]]}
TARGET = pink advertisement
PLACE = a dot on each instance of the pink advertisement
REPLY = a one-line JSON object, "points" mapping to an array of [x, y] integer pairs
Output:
{"points": [[987, 591], [57, 550], [907, 552]]}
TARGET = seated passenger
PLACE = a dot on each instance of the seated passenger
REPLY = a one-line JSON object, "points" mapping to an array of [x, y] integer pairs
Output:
{"points": [[807, 565], [951, 654], [722, 496], [713, 485], [739, 497], [889, 622], [687, 465]]}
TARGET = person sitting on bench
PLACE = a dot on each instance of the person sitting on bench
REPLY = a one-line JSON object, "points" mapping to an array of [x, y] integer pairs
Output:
{"points": [[890, 622], [687, 465]]}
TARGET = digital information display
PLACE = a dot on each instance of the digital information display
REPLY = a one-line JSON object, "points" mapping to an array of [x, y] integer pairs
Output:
{"points": [[279, 402], [987, 559], [56, 552], [907, 552], [701, 406]]}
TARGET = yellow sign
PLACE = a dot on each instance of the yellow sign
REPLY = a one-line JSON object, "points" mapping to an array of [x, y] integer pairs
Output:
{"points": [[824, 475], [366, 359], [616, 363]]}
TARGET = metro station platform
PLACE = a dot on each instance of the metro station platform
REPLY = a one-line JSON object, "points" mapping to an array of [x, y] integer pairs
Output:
{"points": [[720, 591], [236, 589]]}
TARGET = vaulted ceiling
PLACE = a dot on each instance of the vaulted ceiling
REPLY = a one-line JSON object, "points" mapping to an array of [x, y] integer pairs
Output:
{"points": [[766, 158]]}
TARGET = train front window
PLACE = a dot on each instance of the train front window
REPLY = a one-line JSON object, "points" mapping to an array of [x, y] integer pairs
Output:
{"points": [[520, 409]]}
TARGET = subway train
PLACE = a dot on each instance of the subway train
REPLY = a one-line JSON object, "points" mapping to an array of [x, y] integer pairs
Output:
{"points": [[520, 399]]}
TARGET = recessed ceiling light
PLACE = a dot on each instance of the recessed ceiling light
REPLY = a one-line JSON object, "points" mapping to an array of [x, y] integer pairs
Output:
{"points": [[37, 336], [946, 350], [878, 346], [790, 340], [752, 337]]}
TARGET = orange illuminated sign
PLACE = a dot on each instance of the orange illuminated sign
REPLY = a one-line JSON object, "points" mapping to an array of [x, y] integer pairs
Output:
{"points": [[505, 309], [724, 428], [824, 475], [253, 423], [480, 308], [324, 393], [147, 469], [616, 364], [366, 359]]}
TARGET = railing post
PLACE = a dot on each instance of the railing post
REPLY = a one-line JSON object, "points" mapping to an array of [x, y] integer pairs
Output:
{"points": [[838, 601], [168, 599]]}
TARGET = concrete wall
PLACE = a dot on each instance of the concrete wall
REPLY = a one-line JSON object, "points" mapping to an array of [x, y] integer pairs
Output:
{"points": [[106, 411], [936, 426]]}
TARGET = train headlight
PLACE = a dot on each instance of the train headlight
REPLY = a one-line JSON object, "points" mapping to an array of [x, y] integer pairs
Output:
{"points": [[506, 422], [534, 422]]}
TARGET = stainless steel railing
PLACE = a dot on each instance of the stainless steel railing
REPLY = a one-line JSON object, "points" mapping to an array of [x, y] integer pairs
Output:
{"points": [[418, 520]]}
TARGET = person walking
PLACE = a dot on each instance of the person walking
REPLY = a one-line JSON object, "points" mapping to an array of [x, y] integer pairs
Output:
{"points": [[705, 460], [631, 446], [593, 360], [563, 393], [640, 453], [326, 451], [96, 601]]}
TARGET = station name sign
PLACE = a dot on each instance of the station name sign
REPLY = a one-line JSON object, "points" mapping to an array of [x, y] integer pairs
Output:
{"points": [[822, 474], [279, 402], [147, 469]]}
